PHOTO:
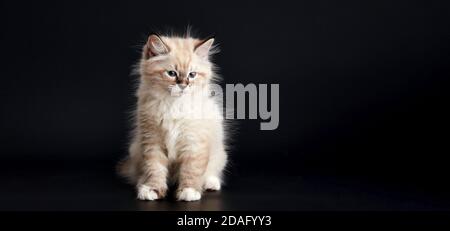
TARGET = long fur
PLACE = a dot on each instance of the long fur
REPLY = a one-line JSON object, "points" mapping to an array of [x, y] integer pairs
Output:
{"points": [[179, 134]]}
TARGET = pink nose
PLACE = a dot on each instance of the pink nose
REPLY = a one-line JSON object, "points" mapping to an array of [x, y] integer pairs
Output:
{"points": [[182, 86], [182, 82]]}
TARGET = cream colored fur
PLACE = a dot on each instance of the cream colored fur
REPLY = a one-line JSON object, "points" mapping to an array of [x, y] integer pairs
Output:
{"points": [[179, 134]]}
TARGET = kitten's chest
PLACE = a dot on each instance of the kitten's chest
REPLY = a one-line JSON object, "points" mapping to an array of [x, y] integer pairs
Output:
{"points": [[183, 119], [176, 121]]}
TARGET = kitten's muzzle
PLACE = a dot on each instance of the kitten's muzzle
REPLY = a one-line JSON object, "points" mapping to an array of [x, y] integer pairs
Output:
{"points": [[182, 82], [182, 86]]}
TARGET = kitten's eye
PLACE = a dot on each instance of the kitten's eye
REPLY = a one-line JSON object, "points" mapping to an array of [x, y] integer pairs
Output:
{"points": [[172, 73], [192, 74]]}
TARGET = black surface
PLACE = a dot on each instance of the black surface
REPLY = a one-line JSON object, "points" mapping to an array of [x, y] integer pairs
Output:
{"points": [[363, 101], [94, 186]]}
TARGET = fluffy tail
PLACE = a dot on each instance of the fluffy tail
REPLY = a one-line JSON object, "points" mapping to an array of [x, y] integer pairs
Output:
{"points": [[127, 169]]}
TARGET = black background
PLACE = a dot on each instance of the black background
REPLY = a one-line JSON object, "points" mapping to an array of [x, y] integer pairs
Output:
{"points": [[363, 86]]}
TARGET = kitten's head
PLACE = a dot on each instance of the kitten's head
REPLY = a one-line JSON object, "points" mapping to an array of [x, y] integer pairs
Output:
{"points": [[176, 65]]}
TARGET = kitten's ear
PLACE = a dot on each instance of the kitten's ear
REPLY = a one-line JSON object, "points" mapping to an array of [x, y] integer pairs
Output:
{"points": [[155, 46], [202, 49]]}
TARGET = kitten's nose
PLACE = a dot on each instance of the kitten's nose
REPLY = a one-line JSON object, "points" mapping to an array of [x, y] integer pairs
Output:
{"points": [[182, 86]]}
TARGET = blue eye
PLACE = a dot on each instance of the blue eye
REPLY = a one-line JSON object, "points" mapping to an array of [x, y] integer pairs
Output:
{"points": [[172, 73], [192, 74]]}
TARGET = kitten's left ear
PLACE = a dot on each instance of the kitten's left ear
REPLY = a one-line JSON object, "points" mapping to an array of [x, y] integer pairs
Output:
{"points": [[202, 49]]}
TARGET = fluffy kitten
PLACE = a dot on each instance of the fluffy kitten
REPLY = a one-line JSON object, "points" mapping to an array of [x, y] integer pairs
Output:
{"points": [[179, 132]]}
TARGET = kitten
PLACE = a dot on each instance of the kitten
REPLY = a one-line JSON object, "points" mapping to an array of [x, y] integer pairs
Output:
{"points": [[179, 132]]}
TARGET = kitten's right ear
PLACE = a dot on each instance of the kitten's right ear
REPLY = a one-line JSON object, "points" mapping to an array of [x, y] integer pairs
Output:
{"points": [[155, 46]]}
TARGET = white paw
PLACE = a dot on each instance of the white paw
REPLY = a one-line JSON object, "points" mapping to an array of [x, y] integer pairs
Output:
{"points": [[212, 183], [147, 194], [189, 194]]}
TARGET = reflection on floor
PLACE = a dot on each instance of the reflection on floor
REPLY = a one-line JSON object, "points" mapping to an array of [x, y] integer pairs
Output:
{"points": [[88, 188]]}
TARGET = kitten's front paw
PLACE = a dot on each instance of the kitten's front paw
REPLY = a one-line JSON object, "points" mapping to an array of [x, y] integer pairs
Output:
{"points": [[146, 194], [188, 194], [212, 183]]}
